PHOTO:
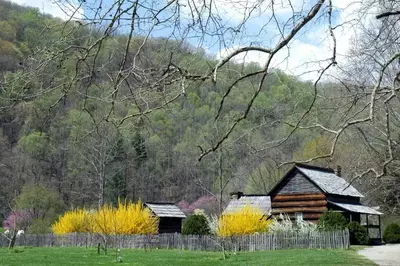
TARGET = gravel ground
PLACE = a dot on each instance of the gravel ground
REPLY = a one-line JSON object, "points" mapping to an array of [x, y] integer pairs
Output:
{"points": [[386, 255]]}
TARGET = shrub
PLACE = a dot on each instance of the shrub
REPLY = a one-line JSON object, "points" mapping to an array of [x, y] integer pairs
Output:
{"points": [[17, 220], [358, 234], [247, 220], [206, 203], [332, 221], [196, 224], [74, 221], [127, 218], [285, 224], [392, 233], [212, 221]]}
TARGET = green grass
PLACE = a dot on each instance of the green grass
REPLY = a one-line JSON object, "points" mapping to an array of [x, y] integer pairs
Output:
{"points": [[82, 256]]}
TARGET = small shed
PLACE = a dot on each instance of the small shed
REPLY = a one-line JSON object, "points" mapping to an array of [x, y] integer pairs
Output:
{"points": [[170, 216], [239, 200]]}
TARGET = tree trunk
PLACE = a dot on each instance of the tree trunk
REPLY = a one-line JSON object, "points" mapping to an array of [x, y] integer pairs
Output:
{"points": [[12, 240]]}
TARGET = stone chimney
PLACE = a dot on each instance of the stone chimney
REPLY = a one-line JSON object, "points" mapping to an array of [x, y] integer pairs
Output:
{"points": [[236, 195], [338, 171]]}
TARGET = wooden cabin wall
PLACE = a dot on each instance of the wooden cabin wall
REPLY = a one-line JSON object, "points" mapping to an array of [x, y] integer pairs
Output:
{"points": [[298, 194], [170, 225], [312, 205]]}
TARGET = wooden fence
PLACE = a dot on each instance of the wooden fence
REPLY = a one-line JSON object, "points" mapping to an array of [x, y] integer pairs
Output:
{"points": [[256, 242]]}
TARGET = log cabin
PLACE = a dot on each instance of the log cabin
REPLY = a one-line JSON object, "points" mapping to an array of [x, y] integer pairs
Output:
{"points": [[306, 191], [169, 215]]}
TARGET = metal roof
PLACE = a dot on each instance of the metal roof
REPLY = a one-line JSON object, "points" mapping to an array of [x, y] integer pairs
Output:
{"points": [[259, 201], [329, 182], [356, 208], [165, 210]]}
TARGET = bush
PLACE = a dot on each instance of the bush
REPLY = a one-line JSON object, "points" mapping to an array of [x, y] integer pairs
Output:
{"points": [[196, 224], [358, 234], [126, 219], [74, 221], [17, 220], [392, 233], [285, 224], [247, 220], [332, 221]]}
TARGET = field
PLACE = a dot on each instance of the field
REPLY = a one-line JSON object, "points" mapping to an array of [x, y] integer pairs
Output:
{"points": [[81, 256]]}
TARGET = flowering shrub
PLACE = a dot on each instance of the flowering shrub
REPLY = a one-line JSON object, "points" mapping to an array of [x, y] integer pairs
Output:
{"points": [[284, 224], [213, 222], [77, 220], [204, 202], [127, 218], [247, 220], [18, 220]]}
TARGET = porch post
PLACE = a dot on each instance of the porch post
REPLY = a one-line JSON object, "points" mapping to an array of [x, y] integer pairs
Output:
{"points": [[380, 232], [367, 224]]}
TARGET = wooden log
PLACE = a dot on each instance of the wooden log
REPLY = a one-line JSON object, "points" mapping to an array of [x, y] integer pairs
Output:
{"points": [[299, 203], [302, 197], [306, 216], [299, 209]]}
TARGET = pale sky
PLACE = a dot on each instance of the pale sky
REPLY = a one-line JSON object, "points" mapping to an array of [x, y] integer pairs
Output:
{"points": [[305, 53], [62, 10]]}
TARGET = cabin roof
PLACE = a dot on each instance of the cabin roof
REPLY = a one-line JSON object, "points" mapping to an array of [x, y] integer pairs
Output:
{"points": [[262, 202], [324, 178], [165, 210], [328, 181], [356, 208]]}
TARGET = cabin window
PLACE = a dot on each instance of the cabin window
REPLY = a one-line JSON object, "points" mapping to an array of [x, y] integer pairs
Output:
{"points": [[299, 217]]}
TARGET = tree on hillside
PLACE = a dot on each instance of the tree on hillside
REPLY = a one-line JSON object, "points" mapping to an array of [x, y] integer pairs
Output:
{"points": [[170, 77], [177, 73]]}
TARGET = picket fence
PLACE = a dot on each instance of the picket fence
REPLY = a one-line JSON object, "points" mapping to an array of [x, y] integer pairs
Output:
{"points": [[255, 242]]}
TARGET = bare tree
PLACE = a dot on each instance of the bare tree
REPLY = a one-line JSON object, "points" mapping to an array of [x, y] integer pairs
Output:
{"points": [[366, 82]]}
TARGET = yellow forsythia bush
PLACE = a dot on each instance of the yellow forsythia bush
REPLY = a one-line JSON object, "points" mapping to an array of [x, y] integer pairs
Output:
{"points": [[127, 218], [247, 220], [77, 220]]}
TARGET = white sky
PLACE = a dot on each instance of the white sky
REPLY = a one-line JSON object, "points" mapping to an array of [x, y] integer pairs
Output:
{"points": [[50, 7], [307, 53]]}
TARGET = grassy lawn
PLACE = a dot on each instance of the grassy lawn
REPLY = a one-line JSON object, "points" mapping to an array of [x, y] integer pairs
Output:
{"points": [[82, 256]]}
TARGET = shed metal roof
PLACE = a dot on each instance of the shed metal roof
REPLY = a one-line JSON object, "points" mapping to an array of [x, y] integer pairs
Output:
{"points": [[356, 208], [329, 182], [165, 210], [259, 201]]}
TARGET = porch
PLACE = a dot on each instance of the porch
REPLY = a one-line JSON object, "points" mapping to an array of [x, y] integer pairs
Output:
{"points": [[366, 216]]}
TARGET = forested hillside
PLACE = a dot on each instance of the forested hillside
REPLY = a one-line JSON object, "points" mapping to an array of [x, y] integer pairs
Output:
{"points": [[68, 127]]}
